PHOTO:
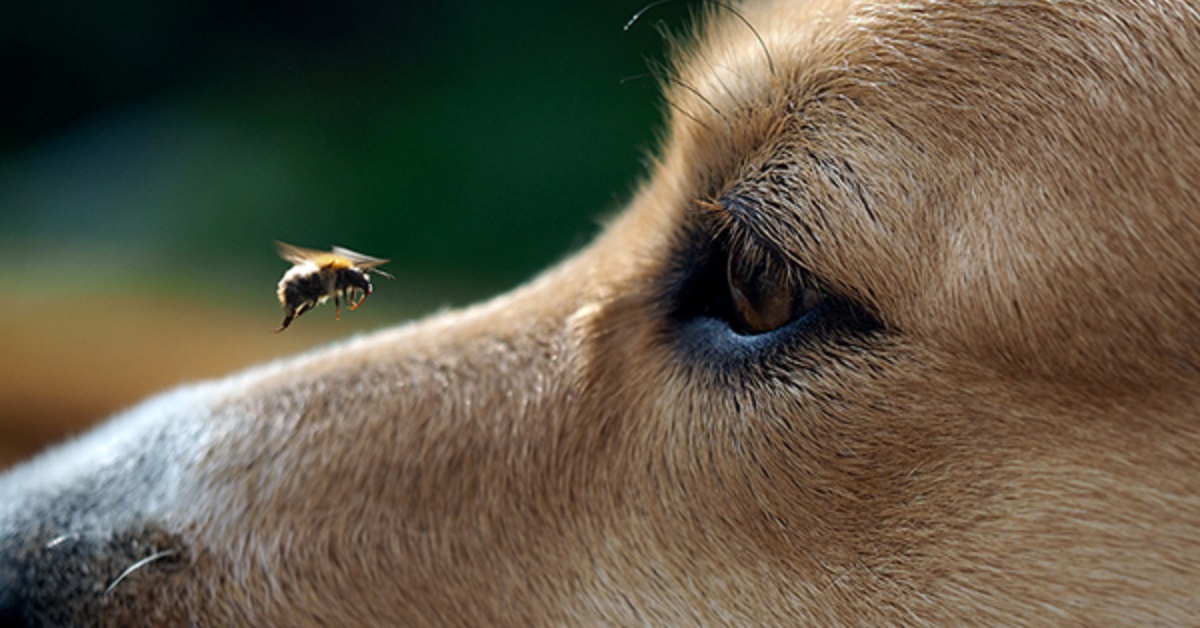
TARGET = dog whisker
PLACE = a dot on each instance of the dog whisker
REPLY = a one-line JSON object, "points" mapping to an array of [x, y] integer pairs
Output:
{"points": [[59, 540], [762, 43], [138, 565], [666, 78]]}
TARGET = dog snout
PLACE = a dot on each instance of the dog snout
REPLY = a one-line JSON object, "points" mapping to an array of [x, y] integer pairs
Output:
{"points": [[85, 526], [44, 573], [40, 579], [69, 553], [76, 578]]}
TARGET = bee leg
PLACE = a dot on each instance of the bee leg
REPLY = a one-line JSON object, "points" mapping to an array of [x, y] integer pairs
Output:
{"points": [[361, 296], [287, 320], [337, 307]]}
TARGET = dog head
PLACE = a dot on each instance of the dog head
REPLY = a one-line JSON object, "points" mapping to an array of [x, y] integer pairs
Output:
{"points": [[902, 326]]}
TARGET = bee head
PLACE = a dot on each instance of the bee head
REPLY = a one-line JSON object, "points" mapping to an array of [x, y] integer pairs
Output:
{"points": [[353, 279], [354, 285]]}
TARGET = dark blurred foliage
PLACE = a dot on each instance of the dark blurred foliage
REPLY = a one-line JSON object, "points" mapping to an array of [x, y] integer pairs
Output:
{"points": [[169, 142]]}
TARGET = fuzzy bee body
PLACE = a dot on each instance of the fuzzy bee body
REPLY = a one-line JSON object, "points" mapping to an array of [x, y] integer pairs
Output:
{"points": [[315, 276]]}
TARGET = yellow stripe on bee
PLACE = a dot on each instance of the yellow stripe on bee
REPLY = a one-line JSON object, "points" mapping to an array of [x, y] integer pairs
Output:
{"points": [[329, 260]]}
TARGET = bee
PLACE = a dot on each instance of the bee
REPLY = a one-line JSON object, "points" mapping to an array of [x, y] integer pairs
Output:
{"points": [[317, 275]]}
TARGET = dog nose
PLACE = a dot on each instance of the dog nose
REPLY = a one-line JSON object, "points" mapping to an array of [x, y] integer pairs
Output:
{"points": [[76, 572], [53, 575], [82, 526], [40, 560], [21, 566], [11, 615], [12, 609], [60, 543], [12, 601]]}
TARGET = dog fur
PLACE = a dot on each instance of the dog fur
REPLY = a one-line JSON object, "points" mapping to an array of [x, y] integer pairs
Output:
{"points": [[993, 416]]}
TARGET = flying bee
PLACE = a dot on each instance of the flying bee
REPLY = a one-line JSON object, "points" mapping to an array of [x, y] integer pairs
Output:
{"points": [[317, 275]]}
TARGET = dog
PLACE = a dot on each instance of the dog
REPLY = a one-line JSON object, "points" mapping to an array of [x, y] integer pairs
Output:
{"points": [[902, 327]]}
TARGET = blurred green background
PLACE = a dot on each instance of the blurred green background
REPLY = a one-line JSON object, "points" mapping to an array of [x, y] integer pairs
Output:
{"points": [[151, 151]]}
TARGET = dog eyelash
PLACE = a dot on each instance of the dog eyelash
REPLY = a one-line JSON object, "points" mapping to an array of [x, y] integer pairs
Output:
{"points": [[765, 291]]}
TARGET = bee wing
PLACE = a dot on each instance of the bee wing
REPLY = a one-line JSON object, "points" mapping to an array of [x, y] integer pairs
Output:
{"points": [[296, 254], [358, 259]]}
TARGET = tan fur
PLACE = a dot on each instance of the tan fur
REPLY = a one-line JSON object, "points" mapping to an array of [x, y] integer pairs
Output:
{"points": [[1012, 189]]}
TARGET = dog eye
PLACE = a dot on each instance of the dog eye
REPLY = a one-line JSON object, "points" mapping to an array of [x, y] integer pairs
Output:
{"points": [[766, 293]]}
